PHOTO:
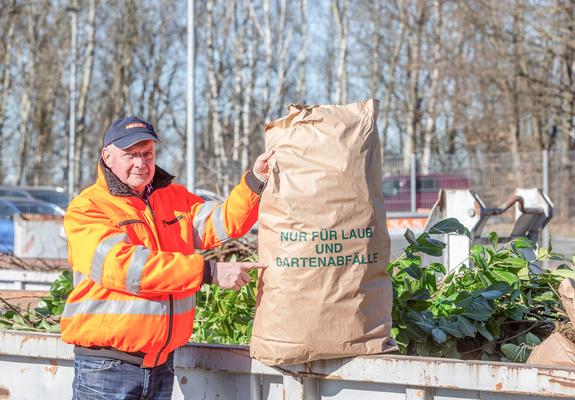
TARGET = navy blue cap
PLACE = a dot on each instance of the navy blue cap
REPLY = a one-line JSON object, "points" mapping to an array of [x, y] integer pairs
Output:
{"points": [[128, 131]]}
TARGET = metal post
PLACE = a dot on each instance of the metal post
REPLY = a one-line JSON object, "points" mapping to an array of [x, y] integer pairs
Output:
{"points": [[73, 10], [299, 388], [545, 173], [190, 136], [255, 387], [413, 187]]}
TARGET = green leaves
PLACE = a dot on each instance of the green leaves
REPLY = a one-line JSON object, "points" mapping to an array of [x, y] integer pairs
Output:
{"points": [[449, 225], [490, 311], [495, 291], [477, 311], [46, 316], [467, 328], [225, 316], [515, 353], [439, 335], [499, 275], [424, 243], [480, 309]]}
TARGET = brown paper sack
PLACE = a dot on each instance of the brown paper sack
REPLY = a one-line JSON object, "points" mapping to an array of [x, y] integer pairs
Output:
{"points": [[326, 293], [556, 350], [567, 295]]}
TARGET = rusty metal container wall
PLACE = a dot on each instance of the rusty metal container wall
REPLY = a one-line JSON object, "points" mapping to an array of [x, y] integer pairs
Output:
{"points": [[34, 365]]}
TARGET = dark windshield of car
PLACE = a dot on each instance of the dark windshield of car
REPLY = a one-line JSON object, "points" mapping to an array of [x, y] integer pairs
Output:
{"points": [[35, 207], [426, 185], [14, 193], [51, 196]]}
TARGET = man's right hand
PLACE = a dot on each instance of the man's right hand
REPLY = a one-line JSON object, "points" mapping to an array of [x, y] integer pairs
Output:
{"points": [[233, 275]]}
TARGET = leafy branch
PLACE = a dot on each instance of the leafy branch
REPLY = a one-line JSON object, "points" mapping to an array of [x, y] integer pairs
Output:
{"points": [[473, 312]]}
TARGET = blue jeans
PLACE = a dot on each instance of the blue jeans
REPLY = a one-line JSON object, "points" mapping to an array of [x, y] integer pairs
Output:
{"points": [[107, 379]]}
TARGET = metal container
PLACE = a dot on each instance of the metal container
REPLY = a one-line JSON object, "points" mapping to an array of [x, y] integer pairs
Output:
{"points": [[40, 366]]}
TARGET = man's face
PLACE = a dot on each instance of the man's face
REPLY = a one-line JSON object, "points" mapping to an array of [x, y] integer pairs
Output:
{"points": [[134, 166]]}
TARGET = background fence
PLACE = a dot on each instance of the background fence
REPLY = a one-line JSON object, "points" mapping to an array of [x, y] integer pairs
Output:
{"points": [[494, 176]]}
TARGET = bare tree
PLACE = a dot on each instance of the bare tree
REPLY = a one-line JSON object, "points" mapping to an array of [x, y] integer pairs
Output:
{"points": [[414, 42], [237, 100], [431, 114], [249, 83], [340, 9], [5, 71], [214, 81], [301, 87], [86, 81], [389, 87], [30, 28]]}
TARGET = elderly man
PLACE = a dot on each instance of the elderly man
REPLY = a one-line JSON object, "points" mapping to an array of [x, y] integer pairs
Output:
{"points": [[132, 237]]}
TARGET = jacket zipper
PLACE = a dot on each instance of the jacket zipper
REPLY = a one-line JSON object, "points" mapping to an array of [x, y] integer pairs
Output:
{"points": [[172, 221], [169, 331], [171, 307], [130, 222]]}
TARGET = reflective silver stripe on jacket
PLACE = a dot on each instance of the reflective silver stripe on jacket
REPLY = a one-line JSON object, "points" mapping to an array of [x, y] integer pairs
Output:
{"points": [[77, 278], [133, 307], [136, 268], [200, 221], [219, 226], [100, 254]]}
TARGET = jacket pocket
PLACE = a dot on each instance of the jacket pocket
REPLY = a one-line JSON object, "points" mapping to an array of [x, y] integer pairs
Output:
{"points": [[92, 365], [130, 222], [172, 221]]}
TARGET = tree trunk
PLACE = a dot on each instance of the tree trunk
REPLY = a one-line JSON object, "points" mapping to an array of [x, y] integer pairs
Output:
{"points": [[43, 123], [429, 129], [6, 79], [239, 51], [341, 23], [514, 92], [414, 56], [285, 34], [391, 79], [87, 72], [25, 107], [213, 100], [249, 87], [301, 86], [267, 36]]}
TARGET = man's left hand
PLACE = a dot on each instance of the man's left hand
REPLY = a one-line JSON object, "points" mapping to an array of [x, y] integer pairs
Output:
{"points": [[261, 166]]}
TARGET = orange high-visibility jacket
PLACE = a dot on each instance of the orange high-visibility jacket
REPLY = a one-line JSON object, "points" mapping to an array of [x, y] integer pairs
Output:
{"points": [[134, 265]]}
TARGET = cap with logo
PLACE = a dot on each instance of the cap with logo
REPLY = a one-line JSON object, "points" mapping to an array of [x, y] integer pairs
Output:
{"points": [[127, 131]]}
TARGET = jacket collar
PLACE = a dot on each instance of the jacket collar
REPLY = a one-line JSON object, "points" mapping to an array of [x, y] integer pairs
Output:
{"points": [[116, 187]]}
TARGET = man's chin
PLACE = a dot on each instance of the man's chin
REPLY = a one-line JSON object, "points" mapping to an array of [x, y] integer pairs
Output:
{"points": [[138, 183]]}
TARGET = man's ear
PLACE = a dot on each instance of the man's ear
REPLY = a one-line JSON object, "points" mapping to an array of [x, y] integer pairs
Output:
{"points": [[106, 156]]}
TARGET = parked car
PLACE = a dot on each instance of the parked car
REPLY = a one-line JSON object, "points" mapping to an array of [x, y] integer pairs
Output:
{"points": [[54, 195], [51, 194], [34, 206], [10, 206], [397, 190], [13, 191], [7, 210]]}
